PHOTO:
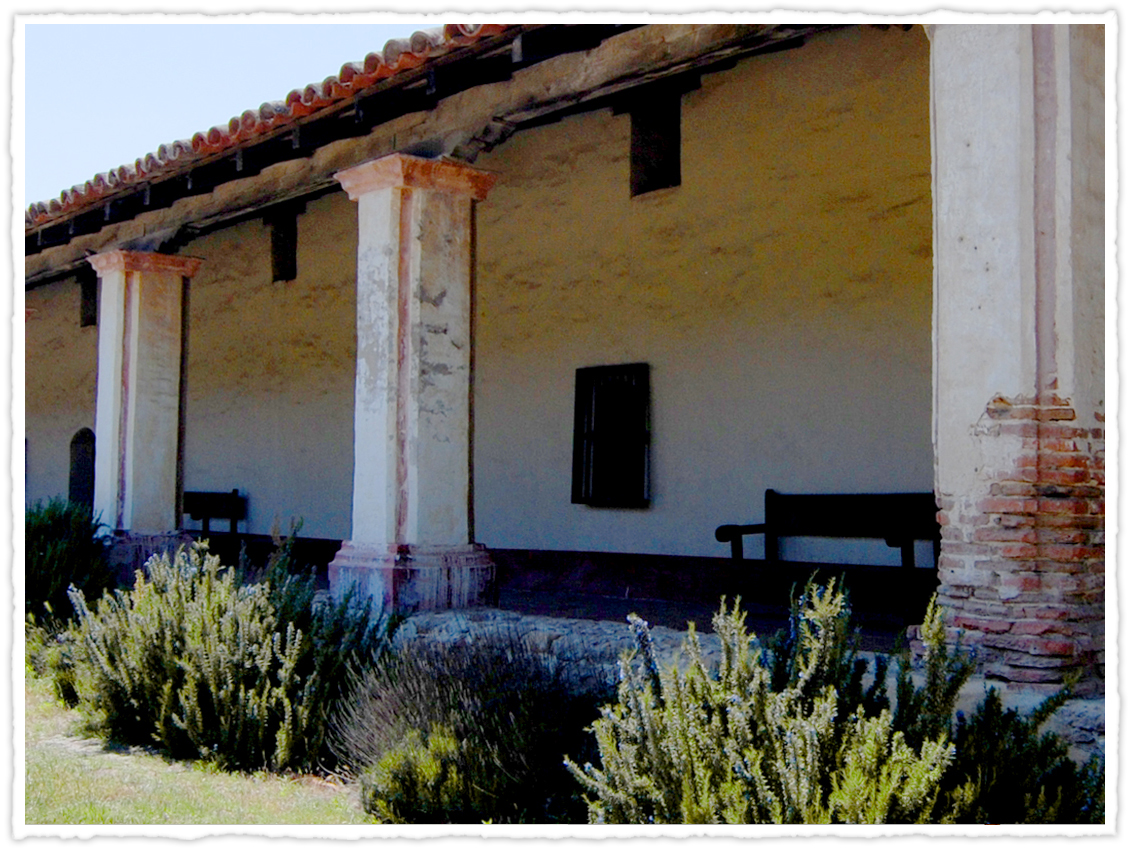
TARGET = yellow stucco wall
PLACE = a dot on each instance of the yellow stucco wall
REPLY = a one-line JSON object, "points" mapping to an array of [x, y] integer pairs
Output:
{"points": [[59, 386], [781, 294]]}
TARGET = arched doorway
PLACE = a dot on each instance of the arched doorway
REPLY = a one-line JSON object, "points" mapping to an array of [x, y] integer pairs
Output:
{"points": [[81, 489]]}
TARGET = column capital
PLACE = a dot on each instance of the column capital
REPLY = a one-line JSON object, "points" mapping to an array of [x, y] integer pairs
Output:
{"points": [[140, 261], [413, 172]]}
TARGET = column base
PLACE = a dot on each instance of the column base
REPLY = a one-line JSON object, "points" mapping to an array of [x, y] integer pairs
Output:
{"points": [[404, 578]]}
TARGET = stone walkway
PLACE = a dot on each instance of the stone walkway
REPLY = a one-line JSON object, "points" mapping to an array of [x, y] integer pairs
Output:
{"points": [[601, 642]]}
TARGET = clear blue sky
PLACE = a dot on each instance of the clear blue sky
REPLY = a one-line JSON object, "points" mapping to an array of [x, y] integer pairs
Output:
{"points": [[100, 95]]}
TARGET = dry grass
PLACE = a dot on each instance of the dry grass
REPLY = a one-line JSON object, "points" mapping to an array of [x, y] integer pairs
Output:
{"points": [[75, 780]]}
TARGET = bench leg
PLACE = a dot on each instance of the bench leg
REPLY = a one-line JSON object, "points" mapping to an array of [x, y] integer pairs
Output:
{"points": [[908, 553]]}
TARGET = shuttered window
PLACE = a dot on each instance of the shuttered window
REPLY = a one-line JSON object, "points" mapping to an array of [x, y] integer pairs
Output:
{"points": [[656, 143], [612, 437]]}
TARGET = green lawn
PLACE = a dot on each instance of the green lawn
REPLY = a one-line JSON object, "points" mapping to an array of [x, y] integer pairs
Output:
{"points": [[75, 780]]}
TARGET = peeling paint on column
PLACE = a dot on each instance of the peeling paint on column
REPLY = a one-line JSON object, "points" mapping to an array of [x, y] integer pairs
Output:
{"points": [[412, 547], [139, 388]]}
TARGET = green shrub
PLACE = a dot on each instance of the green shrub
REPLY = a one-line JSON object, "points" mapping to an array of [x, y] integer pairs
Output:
{"points": [[62, 548], [698, 747], [785, 733], [1007, 772], [423, 780], [340, 634], [194, 662], [466, 733]]}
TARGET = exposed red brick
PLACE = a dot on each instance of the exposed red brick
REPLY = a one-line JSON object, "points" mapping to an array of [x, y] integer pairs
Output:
{"points": [[994, 534], [1022, 660], [1063, 506], [1089, 522], [1002, 505], [1063, 460], [1053, 612], [1057, 552], [1065, 476], [1022, 581], [1055, 414], [980, 624], [1033, 596], [1032, 644], [1064, 536], [1041, 627], [1058, 444], [1061, 431]]}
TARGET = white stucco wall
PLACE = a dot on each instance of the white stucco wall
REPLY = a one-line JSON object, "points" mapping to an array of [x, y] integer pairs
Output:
{"points": [[984, 239], [1087, 310], [270, 372], [59, 388], [781, 294]]}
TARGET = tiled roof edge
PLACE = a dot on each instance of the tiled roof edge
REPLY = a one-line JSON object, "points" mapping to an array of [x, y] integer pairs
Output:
{"points": [[397, 56]]}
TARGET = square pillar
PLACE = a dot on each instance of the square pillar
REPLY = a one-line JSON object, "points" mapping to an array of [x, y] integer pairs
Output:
{"points": [[1019, 426], [411, 546], [138, 391]]}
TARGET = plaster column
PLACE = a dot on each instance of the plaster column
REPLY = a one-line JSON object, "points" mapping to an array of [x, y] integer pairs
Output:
{"points": [[1017, 115], [411, 544], [140, 332]]}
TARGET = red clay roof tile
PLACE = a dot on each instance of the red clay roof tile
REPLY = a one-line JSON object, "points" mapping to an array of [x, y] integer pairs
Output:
{"points": [[396, 57]]}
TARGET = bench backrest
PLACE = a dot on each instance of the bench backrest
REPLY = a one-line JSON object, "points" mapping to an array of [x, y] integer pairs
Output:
{"points": [[206, 506], [897, 518]]}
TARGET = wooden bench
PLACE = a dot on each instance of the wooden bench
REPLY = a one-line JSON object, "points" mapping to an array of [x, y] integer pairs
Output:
{"points": [[206, 507], [897, 518]]}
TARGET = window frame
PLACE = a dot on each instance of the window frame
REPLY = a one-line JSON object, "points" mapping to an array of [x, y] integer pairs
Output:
{"points": [[612, 436]]}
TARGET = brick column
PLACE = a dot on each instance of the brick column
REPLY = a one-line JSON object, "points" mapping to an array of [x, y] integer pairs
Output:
{"points": [[411, 544], [1019, 424], [138, 394]]}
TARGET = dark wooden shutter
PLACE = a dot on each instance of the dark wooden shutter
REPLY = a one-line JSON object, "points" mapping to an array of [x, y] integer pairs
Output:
{"points": [[612, 437], [656, 161]]}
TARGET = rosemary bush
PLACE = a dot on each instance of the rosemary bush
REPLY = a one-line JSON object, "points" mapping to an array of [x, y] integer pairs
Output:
{"points": [[466, 733], [786, 733], [1006, 771], [202, 666], [62, 548]]}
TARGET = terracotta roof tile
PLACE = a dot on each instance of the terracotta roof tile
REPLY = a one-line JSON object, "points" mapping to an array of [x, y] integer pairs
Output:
{"points": [[397, 56]]}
